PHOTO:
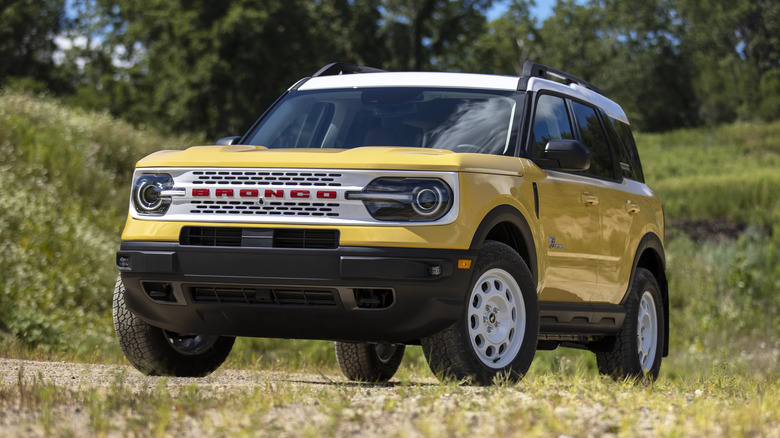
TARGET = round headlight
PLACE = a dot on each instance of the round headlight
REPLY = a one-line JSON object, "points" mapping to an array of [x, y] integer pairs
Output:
{"points": [[405, 199], [427, 201], [148, 193], [148, 196]]}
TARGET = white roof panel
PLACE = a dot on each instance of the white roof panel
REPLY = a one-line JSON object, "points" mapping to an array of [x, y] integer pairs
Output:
{"points": [[413, 79]]}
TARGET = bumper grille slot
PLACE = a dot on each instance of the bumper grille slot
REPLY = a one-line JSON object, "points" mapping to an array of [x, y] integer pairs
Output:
{"points": [[259, 237], [264, 295], [374, 298], [210, 236]]}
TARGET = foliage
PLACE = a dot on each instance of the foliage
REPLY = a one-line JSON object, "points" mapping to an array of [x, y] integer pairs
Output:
{"points": [[27, 32], [64, 174], [212, 68], [727, 171]]}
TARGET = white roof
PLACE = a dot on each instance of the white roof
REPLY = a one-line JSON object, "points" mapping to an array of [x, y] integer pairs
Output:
{"points": [[461, 80], [412, 79]]}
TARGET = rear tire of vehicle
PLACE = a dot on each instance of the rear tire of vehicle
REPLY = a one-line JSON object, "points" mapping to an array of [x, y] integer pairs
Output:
{"points": [[363, 362], [497, 335], [157, 352], [638, 348]]}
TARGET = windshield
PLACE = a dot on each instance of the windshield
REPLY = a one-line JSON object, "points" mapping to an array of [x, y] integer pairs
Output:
{"points": [[459, 120]]}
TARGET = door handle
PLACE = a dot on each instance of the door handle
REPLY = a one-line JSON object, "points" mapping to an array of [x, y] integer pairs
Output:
{"points": [[632, 208], [589, 199]]}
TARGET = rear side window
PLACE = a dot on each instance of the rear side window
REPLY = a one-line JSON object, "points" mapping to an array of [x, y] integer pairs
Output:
{"points": [[592, 135], [629, 147], [551, 122]]}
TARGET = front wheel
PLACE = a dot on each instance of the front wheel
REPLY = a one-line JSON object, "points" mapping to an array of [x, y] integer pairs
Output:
{"points": [[639, 346], [499, 329], [157, 352], [363, 362]]}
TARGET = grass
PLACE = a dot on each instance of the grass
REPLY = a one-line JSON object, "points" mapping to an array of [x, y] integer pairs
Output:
{"points": [[569, 402], [727, 171]]}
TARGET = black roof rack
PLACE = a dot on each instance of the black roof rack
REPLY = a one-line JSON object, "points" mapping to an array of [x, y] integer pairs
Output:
{"points": [[343, 68], [534, 70]]}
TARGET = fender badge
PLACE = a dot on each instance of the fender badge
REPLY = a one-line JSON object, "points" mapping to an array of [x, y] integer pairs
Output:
{"points": [[554, 245]]}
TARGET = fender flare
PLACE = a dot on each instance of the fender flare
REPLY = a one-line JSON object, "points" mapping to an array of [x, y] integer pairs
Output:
{"points": [[512, 216]]}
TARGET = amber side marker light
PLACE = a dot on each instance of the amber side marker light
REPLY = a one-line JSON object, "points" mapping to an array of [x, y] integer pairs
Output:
{"points": [[464, 264]]}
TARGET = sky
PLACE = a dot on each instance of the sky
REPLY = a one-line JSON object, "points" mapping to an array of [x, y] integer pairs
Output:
{"points": [[541, 11]]}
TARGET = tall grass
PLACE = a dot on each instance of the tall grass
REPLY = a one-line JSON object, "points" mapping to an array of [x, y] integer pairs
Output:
{"points": [[728, 172]]}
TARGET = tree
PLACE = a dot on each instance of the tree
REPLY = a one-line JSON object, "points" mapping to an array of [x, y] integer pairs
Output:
{"points": [[27, 32], [736, 44], [429, 34], [505, 45]]}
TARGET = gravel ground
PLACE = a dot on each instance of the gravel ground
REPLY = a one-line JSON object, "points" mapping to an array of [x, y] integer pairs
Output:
{"points": [[103, 400]]}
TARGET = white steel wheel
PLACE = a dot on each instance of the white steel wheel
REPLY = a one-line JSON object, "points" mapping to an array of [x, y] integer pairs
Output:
{"points": [[497, 335], [637, 350], [496, 318], [647, 331]]}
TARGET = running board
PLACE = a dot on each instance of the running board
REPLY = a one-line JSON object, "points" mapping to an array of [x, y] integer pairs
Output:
{"points": [[579, 319]]}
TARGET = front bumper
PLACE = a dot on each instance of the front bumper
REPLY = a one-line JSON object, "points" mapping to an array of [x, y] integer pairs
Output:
{"points": [[396, 295]]}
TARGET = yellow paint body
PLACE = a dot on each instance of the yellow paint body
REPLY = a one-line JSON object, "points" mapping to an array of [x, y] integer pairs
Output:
{"points": [[590, 261]]}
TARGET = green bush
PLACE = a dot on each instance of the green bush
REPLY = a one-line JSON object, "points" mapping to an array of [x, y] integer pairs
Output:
{"points": [[65, 175]]}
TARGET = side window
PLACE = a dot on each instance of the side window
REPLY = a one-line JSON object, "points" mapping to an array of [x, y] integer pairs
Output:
{"points": [[633, 155], [550, 122], [628, 159], [592, 135], [621, 154]]}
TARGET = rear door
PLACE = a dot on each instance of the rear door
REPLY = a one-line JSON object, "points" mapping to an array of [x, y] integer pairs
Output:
{"points": [[625, 202]]}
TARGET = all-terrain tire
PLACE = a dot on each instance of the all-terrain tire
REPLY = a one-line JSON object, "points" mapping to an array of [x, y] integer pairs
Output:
{"points": [[638, 348], [363, 362], [497, 335], [157, 352]]}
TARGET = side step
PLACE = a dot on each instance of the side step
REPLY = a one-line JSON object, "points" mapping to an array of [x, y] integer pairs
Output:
{"points": [[581, 320]]}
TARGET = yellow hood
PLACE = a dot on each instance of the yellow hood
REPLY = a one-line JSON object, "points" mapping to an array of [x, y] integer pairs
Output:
{"points": [[388, 158]]}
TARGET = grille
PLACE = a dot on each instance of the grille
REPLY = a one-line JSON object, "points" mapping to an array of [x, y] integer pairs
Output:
{"points": [[259, 237], [273, 178], [263, 295], [274, 208], [210, 236]]}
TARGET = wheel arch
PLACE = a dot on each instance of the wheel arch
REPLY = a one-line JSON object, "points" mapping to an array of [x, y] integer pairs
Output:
{"points": [[650, 255], [507, 225]]}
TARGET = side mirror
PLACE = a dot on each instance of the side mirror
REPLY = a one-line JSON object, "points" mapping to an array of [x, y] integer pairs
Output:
{"points": [[566, 155], [227, 141]]}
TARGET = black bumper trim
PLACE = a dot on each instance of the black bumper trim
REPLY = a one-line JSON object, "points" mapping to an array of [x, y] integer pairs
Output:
{"points": [[421, 290]]}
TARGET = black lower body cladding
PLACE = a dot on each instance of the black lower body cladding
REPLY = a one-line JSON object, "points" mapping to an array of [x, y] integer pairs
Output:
{"points": [[395, 295]]}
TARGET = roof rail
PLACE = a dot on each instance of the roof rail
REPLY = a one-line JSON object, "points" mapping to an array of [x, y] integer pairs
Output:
{"points": [[534, 70], [343, 68]]}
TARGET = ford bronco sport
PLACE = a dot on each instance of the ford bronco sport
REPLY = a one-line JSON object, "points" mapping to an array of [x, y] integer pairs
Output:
{"points": [[482, 217]]}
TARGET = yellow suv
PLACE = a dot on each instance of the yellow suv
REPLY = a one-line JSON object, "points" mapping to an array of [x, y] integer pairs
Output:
{"points": [[483, 217]]}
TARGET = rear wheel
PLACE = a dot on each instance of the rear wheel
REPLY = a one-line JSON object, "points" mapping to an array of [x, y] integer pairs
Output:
{"points": [[365, 362], [638, 348], [157, 352], [498, 333]]}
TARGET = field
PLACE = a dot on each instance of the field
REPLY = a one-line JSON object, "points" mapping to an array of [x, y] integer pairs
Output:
{"points": [[65, 176]]}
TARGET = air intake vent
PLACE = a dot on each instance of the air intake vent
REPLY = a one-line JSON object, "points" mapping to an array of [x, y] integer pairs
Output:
{"points": [[311, 239], [374, 298], [210, 236], [259, 237], [263, 295]]}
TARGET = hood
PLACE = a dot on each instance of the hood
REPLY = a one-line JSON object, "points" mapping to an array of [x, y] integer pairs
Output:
{"points": [[386, 158]]}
